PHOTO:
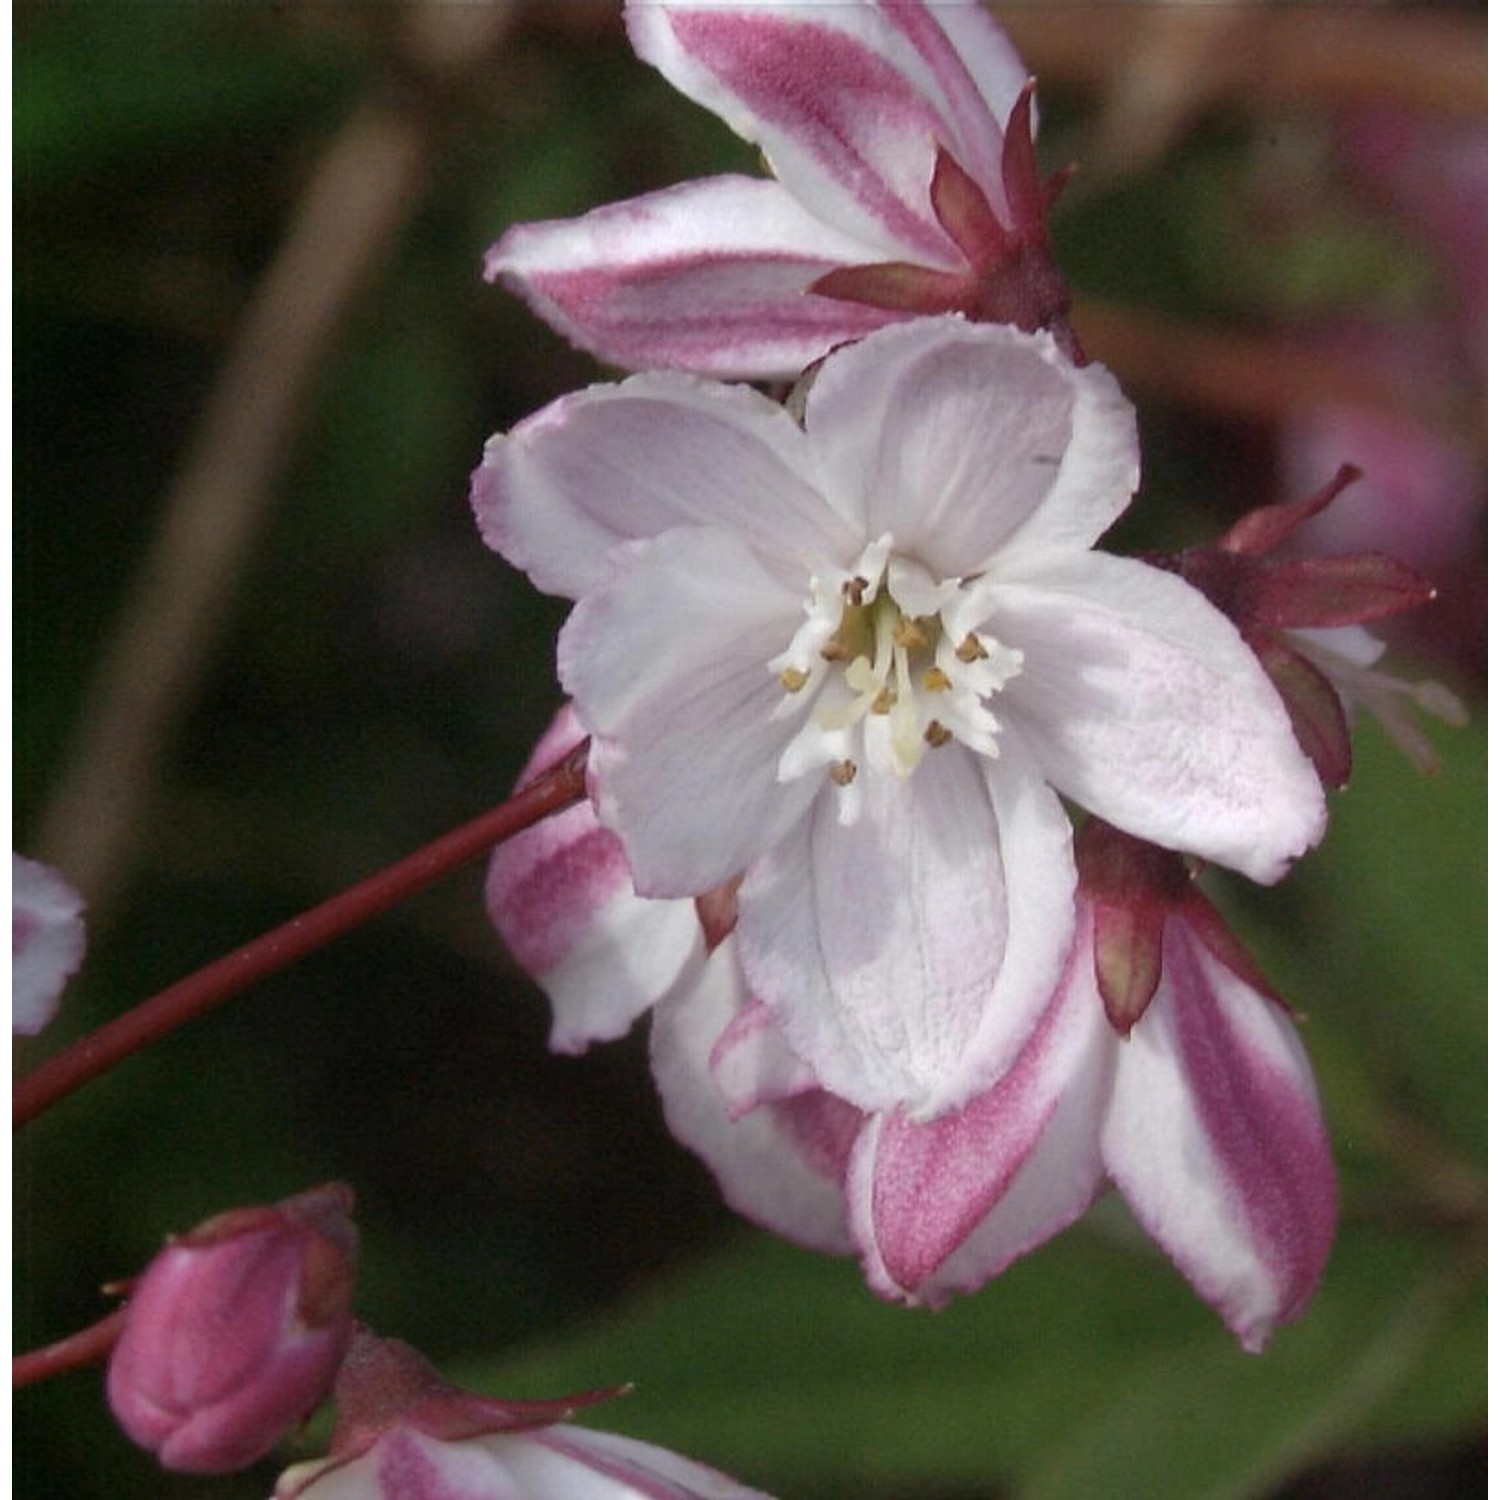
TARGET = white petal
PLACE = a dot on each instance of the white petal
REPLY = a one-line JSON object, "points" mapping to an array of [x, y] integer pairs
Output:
{"points": [[47, 941], [834, 97], [962, 439], [781, 1165], [1142, 702], [886, 947], [626, 462], [1215, 1137], [708, 276], [946, 1206], [667, 667]]}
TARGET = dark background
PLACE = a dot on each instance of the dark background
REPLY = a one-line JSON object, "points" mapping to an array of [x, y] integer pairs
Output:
{"points": [[366, 675]]}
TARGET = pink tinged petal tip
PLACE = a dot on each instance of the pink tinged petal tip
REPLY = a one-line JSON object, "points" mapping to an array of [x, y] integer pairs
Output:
{"points": [[922, 1190], [561, 896], [1215, 1137], [780, 1164], [708, 276]]}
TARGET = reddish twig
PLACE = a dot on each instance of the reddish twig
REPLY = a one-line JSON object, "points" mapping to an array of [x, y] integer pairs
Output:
{"points": [[89, 1346], [283, 946]]}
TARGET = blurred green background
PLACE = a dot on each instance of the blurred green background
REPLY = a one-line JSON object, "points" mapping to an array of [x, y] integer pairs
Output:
{"points": [[378, 676]]}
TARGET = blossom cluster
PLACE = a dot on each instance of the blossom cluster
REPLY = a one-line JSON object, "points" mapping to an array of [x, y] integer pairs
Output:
{"points": [[900, 784]]}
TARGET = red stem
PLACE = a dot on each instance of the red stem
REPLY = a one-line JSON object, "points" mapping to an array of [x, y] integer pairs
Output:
{"points": [[284, 945], [89, 1346]]}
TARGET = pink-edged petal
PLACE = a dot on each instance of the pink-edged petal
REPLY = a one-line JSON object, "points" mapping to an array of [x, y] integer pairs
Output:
{"points": [[831, 94], [46, 942], [1215, 1137], [709, 276], [1142, 702], [907, 956], [561, 895], [961, 439], [976, 73], [944, 1206], [781, 1165], [752, 1064], [626, 462], [667, 667]]}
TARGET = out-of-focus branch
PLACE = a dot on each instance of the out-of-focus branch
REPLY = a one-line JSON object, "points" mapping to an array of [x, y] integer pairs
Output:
{"points": [[357, 199], [1259, 377], [556, 788], [1327, 56]]}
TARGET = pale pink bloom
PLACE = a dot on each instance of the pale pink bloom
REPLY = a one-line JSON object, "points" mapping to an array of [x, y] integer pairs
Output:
{"points": [[235, 1331], [900, 139], [405, 1434], [1204, 1115], [46, 942], [856, 661]]}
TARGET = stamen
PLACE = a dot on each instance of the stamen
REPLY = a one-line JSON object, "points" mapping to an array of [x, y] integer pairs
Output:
{"points": [[842, 772], [884, 701], [793, 680], [835, 650], [854, 590], [909, 635], [936, 680], [970, 650], [937, 735]]}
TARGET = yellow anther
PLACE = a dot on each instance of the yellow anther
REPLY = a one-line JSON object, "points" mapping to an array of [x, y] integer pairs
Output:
{"points": [[969, 649], [793, 680], [836, 650], [910, 635], [936, 735], [854, 590], [884, 701], [936, 680], [842, 772]]}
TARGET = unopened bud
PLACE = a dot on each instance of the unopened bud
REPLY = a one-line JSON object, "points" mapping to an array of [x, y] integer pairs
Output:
{"points": [[235, 1332]]}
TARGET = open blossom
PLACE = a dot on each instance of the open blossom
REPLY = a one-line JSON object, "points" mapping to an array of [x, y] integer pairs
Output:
{"points": [[856, 661], [404, 1433], [46, 941], [905, 182]]}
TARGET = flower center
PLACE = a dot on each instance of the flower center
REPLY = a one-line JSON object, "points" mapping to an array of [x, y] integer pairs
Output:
{"points": [[888, 665]]}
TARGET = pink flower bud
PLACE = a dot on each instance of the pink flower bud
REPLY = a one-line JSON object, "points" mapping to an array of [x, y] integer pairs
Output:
{"points": [[236, 1331]]}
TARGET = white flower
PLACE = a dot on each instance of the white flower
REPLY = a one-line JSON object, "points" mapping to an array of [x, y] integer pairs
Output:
{"points": [[856, 661]]}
